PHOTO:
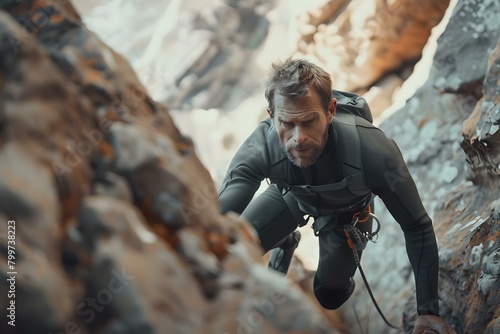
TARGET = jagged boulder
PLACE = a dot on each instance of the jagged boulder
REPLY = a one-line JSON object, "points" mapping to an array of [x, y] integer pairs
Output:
{"points": [[117, 222]]}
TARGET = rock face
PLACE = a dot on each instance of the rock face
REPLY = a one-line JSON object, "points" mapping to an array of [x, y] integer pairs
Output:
{"points": [[117, 227], [369, 38], [448, 133], [476, 279], [227, 34], [117, 223], [189, 54]]}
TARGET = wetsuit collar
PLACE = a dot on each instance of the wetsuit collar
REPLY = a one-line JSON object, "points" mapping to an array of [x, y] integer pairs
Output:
{"points": [[331, 141]]}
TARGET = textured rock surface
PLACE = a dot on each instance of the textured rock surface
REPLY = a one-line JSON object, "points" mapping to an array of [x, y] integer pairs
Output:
{"points": [[118, 229], [459, 198], [228, 33], [369, 39], [471, 216], [189, 54], [474, 29], [481, 130]]}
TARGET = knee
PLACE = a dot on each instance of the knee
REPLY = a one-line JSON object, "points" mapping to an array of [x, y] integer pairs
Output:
{"points": [[332, 299]]}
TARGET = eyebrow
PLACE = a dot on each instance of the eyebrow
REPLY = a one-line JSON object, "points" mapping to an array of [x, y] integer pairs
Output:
{"points": [[303, 119]]}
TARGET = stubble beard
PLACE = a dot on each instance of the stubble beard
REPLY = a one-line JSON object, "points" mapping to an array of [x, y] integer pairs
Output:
{"points": [[311, 161]]}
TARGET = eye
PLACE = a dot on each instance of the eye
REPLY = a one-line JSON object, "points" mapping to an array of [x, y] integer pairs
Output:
{"points": [[286, 124], [310, 122]]}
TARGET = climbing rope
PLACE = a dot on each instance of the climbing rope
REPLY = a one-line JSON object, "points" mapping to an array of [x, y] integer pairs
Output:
{"points": [[357, 241]]}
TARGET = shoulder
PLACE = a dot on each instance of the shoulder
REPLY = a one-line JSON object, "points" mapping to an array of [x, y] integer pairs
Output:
{"points": [[350, 126], [375, 147], [265, 143], [379, 153], [261, 135], [374, 140], [343, 119]]}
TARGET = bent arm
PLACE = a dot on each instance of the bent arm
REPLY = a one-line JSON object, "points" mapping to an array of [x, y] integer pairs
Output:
{"points": [[391, 181], [421, 247], [245, 173]]}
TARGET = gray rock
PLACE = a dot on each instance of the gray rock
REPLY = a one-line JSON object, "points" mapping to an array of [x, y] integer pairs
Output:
{"points": [[135, 147], [460, 58], [449, 173], [205, 265], [495, 205], [113, 185], [269, 303], [438, 164], [490, 273]]}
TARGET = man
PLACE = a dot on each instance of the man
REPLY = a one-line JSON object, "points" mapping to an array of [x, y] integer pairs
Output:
{"points": [[302, 148]]}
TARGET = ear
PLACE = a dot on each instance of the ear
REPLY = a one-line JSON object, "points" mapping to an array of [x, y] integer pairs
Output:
{"points": [[270, 113], [332, 109]]}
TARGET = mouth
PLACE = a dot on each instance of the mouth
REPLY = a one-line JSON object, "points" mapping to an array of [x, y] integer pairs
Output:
{"points": [[301, 149]]}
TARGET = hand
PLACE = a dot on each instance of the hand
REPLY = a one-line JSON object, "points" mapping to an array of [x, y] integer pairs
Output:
{"points": [[432, 324]]}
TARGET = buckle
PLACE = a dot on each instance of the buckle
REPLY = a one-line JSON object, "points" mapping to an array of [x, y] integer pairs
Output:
{"points": [[316, 231], [366, 213], [355, 238]]}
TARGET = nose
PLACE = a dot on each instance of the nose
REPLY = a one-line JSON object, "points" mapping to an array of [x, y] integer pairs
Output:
{"points": [[299, 135]]}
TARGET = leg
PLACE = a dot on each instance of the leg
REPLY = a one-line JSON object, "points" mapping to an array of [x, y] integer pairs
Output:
{"points": [[272, 217], [333, 283], [281, 257]]}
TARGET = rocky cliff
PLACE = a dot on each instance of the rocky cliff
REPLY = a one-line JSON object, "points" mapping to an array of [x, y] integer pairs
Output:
{"points": [[448, 133], [367, 39], [116, 221]]}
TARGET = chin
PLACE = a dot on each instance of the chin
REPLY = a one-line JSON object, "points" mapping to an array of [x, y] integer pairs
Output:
{"points": [[305, 161], [302, 163]]}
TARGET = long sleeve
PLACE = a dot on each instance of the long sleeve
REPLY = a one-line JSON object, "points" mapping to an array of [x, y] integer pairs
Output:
{"points": [[246, 171], [389, 178]]}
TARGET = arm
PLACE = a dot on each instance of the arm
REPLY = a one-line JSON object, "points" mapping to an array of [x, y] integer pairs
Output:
{"points": [[246, 171], [388, 177]]}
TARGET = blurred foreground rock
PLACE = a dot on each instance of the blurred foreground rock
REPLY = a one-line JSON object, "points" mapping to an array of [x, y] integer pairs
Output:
{"points": [[117, 223]]}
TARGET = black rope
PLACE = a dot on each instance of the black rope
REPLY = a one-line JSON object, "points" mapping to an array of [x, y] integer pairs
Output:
{"points": [[360, 239], [357, 319], [374, 301]]}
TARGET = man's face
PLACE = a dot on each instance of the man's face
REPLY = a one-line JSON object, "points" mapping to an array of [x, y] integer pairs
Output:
{"points": [[302, 126]]}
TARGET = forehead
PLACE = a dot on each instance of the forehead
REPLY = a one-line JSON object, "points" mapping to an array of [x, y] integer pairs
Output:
{"points": [[309, 104]]}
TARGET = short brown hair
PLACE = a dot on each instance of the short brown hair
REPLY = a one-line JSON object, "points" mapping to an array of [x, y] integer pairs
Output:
{"points": [[294, 77]]}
